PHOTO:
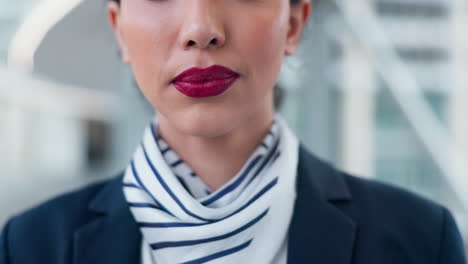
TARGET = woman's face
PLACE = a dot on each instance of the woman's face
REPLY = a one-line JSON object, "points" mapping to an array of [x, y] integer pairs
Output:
{"points": [[162, 38]]}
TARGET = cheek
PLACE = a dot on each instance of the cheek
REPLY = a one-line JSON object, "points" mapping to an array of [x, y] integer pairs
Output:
{"points": [[148, 43], [263, 47]]}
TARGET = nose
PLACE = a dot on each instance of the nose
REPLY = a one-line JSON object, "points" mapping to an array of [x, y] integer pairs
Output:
{"points": [[202, 27]]}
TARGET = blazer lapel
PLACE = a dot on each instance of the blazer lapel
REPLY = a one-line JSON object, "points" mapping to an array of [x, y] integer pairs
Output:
{"points": [[113, 236], [319, 232]]}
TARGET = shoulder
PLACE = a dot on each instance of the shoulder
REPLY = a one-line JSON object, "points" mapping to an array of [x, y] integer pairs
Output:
{"points": [[374, 196], [364, 195], [71, 206], [401, 220], [50, 223], [389, 218]]}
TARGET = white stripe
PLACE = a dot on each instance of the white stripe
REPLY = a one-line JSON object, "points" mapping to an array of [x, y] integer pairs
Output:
{"points": [[269, 233]]}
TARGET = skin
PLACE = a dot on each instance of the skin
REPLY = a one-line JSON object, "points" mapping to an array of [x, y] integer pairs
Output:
{"points": [[161, 38]]}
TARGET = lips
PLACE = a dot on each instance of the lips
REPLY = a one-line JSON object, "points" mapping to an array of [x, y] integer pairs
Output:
{"points": [[196, 82]]}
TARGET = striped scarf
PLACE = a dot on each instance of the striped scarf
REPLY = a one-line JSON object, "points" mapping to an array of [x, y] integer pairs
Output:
{"points": [[245, 220]]}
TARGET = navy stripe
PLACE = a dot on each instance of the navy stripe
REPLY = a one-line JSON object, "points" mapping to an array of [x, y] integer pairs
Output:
{"points": [[165, 150], [167, 244], [144, 205], [176, 163], [193, 174], [153, 131], [168, 190], [253, 199], [131, 185], [235, 184], [184, 184], [265, 161], [158, 139], [137, 177], [219, 254], [276, 156], [168, 224], [264, 145]]}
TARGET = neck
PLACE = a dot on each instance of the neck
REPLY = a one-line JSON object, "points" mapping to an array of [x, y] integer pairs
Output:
{"points": [[218, 159]]}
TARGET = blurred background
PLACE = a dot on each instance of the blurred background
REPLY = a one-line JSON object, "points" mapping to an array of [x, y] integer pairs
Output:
{"points": [[378, 87]]}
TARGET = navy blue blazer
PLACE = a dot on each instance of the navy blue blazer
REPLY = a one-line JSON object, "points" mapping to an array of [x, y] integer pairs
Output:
{"points": [[338, 219]]}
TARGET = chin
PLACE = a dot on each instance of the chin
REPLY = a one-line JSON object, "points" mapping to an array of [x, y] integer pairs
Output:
{"points": [[208, 123]]}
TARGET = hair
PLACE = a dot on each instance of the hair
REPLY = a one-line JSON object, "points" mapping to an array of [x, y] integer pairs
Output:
{"points": [[293, 2]]}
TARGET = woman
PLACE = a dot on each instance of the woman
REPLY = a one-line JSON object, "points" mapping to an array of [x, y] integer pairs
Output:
{"points": [[219, 177]]}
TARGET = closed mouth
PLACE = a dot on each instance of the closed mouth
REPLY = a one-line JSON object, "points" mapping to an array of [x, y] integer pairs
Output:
{"points": [[212, 81]]}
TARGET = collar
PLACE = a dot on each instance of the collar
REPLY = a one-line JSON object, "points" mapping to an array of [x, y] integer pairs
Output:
{"points": [[319, 231]]}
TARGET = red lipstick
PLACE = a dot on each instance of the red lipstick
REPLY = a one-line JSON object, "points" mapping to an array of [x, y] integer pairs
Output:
{"points": [[196, 82]]}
